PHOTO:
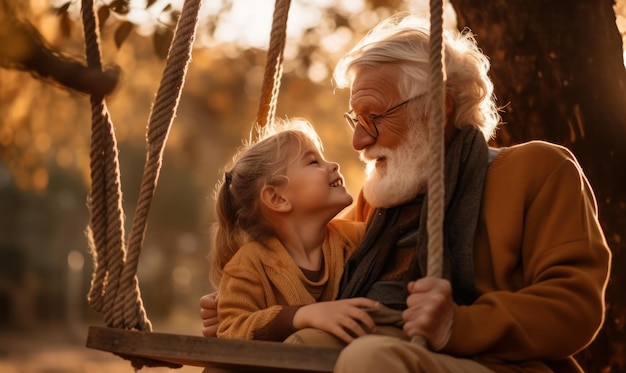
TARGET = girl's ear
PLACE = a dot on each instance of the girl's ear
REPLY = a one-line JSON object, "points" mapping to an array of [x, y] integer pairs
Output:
{"points": [[274, 200]]}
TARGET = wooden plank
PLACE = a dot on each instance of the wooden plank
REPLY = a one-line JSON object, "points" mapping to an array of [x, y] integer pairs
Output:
{"points": [[235, 355]]}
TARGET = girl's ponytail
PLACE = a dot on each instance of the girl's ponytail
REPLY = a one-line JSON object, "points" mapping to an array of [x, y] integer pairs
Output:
{"points": [[228, 236]]}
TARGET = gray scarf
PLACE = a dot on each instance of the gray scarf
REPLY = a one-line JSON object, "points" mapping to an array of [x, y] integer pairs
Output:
{"points": [[466, 164]]}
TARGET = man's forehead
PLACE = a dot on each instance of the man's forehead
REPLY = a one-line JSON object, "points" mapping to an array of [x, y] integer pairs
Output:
{"points": [[379, 71], [373, 86], [368, 77]]}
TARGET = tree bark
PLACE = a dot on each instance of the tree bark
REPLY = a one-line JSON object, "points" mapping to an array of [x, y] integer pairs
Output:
{"points": [[558, 71]]}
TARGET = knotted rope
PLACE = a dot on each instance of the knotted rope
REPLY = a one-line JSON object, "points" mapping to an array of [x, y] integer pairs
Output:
{"points": [[106, 224], [274, 64], [114, 288]]}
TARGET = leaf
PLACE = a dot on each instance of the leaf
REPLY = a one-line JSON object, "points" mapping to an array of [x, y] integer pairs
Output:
{"points": [[122, 33], [162, 40]]}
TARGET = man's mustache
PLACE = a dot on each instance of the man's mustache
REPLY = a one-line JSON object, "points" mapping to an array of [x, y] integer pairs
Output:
{"points": [[372, 154]]}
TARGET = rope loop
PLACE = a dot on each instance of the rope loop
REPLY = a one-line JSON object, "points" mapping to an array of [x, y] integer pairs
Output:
{"points": [[114, 287]]}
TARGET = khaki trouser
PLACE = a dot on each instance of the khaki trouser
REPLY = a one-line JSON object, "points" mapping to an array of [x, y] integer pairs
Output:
{"points": [[387, 351]]}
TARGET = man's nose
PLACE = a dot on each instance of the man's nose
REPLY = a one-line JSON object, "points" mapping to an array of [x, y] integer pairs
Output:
{"points": [[361, 139]]}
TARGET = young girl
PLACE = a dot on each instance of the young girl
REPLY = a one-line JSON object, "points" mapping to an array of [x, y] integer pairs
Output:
{"points": [[278, 255]]}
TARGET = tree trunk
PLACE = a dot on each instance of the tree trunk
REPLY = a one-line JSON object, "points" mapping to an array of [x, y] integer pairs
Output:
{"points": [[558, 70]]}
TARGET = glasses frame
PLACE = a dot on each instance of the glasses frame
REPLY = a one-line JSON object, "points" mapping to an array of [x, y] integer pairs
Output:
{"points": [[368, 121]]}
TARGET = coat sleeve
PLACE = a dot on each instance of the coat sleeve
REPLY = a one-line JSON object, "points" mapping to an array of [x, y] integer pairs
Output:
{"points": [[553, 239], [243, 307]]}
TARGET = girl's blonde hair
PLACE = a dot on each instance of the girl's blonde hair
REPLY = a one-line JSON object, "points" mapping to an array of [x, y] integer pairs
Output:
{"points": [[237, 195]]}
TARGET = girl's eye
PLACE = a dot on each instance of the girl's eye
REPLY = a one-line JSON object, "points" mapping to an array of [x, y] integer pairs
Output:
{"points": [[314, 161]]}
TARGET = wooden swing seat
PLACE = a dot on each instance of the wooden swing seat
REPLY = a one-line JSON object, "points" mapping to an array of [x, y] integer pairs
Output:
{"points": [[175, 350]]}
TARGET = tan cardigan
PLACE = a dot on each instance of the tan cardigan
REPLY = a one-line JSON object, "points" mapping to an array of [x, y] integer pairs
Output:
{"points": [[260, 279], [540, 259]]}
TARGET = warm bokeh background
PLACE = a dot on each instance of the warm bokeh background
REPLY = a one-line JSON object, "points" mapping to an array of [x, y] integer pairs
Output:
{"points": [[45, 265]]}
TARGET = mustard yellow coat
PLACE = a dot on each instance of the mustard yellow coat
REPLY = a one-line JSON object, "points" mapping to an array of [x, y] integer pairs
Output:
{"points": [[260, 279], [541, 263]]}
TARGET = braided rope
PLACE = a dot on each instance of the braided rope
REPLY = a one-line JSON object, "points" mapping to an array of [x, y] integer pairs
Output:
{"points": [[274, 64], [106, 225], [436, 187], [115, 288], [161, 118]]}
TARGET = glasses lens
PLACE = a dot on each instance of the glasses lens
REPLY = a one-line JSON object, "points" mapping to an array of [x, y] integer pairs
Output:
{"points": [[368, 125], [364, 121], [352, 122]]}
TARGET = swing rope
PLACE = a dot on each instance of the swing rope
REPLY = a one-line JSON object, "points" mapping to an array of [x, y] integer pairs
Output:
{"points": [[114, 288], [106, 226], [274, 64], [436, 161], [436, 186]]}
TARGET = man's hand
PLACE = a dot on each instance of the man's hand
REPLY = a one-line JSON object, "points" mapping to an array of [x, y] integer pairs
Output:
{"points": [[430, 311], [345, 318], [208, 314]]}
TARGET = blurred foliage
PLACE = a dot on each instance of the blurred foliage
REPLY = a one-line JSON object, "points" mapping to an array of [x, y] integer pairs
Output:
{"points": [[45, 139], [45, 136], [44, 125]]}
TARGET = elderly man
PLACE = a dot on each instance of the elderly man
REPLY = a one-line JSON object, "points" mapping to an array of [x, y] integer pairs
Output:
{"points": [[526, 262]]}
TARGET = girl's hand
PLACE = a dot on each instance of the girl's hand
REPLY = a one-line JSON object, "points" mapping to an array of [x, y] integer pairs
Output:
{"points": [[208, 314], [346, 318]]}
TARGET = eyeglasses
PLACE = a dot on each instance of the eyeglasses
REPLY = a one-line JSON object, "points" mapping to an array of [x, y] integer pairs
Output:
{"points": [[368, 121]]}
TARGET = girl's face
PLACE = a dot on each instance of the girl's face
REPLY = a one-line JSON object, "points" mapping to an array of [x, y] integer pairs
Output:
{"points": [[316, 187]]}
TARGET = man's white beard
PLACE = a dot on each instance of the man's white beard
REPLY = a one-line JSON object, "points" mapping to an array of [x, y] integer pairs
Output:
{"points": [[404, 174]]}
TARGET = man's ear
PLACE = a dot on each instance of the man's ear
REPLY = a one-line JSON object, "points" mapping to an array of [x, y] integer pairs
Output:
{"points": [[450, 107], [273, 199], [450, 129]]}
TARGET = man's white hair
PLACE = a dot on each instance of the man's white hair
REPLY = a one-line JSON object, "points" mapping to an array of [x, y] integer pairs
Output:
{"points": [[403, 40]]}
